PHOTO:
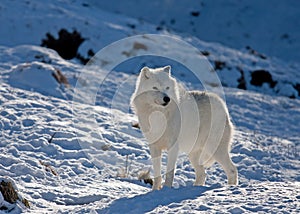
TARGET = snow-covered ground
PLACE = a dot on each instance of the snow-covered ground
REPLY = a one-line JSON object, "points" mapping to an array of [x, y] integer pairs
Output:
{"points": [[268, 27], [66, 154]]}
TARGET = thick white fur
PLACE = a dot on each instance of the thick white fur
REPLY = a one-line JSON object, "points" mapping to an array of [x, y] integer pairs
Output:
{"points": [[193, 122]]}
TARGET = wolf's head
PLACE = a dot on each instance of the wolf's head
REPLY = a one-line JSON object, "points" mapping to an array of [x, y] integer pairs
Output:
{"points": [[157, 86]]}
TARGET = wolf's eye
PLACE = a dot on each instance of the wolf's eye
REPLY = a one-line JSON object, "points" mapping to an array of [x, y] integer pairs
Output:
{"points": [[155, 88], [167, 88]]}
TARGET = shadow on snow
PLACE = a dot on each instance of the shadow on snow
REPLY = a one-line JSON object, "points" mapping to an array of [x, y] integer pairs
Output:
{"points": [[149, 201]]}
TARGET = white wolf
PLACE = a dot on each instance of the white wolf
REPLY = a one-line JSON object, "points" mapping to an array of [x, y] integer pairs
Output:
{"points": [[174, 119]]}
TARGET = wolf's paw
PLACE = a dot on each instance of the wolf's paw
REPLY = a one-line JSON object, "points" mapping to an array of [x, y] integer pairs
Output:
{"points": [[156, 187], [198, 184]]}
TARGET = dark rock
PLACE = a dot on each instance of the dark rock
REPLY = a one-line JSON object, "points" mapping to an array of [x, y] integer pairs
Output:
{"points": [[9, 193], [195, 13], [219, 65], [132, 26], [85, 60], [297, 87], [259, 77], [241, 80], [60, 78], [159, 28], [148, 181], [205, 53], [66, 45], [285, 36], [255, 53], [136, 125], [91, 53]]}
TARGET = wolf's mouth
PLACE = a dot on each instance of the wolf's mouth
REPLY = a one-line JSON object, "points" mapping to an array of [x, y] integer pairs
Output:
{"points": [[166, 101], [162, 104]]}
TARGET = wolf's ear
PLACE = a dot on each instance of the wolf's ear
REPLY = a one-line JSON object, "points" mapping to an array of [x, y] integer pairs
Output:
{"points": [[145, 72], [167, 69]]}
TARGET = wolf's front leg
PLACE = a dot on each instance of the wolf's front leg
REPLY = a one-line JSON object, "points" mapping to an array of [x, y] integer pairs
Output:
{"points": [[156, 161], [172, 157]]}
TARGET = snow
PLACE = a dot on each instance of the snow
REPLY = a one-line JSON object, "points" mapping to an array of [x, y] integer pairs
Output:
{"points": [[73, 148], [236, 24]]}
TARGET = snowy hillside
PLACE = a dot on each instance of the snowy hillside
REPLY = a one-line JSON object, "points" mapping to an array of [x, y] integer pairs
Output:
{"points": [[271, 28], [69, 152]]}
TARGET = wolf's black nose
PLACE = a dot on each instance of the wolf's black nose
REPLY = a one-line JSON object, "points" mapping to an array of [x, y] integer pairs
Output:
{"points": [[166, 99]]}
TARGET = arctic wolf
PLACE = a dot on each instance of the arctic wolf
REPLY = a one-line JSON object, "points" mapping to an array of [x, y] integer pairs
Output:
{"points": [[177, 120]]}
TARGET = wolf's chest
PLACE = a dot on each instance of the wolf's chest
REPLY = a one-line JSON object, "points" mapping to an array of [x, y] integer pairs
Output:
{"points": [[158, 126]]}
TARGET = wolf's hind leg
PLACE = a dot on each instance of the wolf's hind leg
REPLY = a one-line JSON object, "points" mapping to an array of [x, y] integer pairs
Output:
{"points": [[229, 168], [199, 169]]}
